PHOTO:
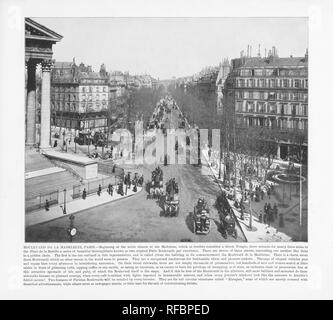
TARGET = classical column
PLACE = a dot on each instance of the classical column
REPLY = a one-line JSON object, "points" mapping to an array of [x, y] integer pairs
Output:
{"points": [[278, 153], [45, 122], [31, 103]]}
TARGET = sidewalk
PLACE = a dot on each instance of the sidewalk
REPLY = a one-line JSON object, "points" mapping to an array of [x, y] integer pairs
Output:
{"points": [[43, 172], [74, 206], [260, 232]]}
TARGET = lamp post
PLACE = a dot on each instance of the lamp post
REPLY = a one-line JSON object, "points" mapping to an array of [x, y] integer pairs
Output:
{"points": [[64, 209], [63, 138], [300, 200]]}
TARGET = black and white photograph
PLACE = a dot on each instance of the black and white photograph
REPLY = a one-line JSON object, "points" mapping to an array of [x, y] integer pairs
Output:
{"points": [[166, 129]]}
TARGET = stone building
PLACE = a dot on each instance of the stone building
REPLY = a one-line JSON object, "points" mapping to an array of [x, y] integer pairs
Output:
{"points": [[270, 94], [79, 97], [224, 71]]}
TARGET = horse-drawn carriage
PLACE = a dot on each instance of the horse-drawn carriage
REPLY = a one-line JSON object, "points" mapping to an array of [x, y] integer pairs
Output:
{"points": [[171, 203], [156, 184], [201, 218], [227, 218]]}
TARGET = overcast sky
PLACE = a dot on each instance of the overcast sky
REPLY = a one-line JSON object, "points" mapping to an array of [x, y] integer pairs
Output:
{"points": [[167, 47]]}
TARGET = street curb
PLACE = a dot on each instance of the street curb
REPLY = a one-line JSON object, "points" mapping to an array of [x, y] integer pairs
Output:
{"points": [[79, 211], [239, 226]]}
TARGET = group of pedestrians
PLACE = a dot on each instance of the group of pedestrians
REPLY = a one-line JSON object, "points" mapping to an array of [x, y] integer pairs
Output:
{"points": [[270, 214], [259, 192]]}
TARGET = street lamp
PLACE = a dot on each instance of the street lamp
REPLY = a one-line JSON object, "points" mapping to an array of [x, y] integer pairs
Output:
{"points": [[64, 209], [63, 138], [300, 200]]}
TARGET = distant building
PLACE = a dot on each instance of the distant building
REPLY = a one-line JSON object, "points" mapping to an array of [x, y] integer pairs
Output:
{"points": [[271, 94], [224, 71], [79, 97]]}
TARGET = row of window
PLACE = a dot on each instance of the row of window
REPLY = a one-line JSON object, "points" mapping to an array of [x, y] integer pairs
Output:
{"points": [[84, 88], [272, 72], [272, 83], [94, 89], [264, 95], [95, 81], [74, 124], [74, 107], [73, 97], [272, 123], [272, 108], [63, 89]]}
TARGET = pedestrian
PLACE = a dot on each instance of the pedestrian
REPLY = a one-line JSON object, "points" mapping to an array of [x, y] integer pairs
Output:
{"points": [[257, 196], [126, 189], [265, 207], [275, 211], [55, 144], [69, 141], [252, 195], [260, 216], [265, 217], [99, 190], [262, 194], [269, 192], [109, 188], [281, 220], [47, 205], [84, 194], [269, 207], [269, 215]]}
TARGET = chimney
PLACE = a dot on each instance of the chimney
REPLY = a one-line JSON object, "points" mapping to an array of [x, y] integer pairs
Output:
{"points": [[259, 55], [248, 49], [265, 53]]}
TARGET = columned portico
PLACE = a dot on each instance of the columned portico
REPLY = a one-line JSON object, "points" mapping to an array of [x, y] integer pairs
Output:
{"points": [[38, 50]]}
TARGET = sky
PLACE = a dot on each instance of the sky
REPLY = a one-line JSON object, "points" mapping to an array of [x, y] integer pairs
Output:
{"points": [[172, 47]]}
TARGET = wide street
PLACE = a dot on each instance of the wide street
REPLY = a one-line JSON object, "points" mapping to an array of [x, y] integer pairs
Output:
{"points": [[140, 219]]}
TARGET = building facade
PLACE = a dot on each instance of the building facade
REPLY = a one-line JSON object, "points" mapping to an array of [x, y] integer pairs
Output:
{"points": [[224, 71], [79, 97], [271, 94]]}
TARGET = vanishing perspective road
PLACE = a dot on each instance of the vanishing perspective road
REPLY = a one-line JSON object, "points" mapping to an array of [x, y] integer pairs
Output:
{"points": [[138, 219]]}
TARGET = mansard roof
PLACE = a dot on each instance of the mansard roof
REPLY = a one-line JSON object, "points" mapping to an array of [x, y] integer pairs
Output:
{"points": [[274, 62]]}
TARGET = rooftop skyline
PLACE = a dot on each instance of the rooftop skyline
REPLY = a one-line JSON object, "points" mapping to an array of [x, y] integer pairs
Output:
{"points": [[172, 47]]}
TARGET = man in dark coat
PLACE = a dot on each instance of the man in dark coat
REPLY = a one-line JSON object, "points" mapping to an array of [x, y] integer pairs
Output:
{"points": [[275, 211], [47, 205]]}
